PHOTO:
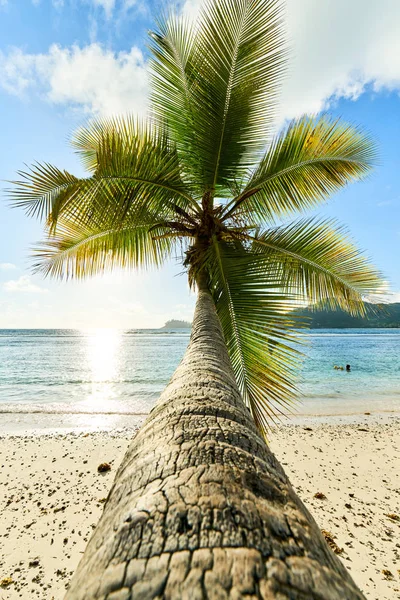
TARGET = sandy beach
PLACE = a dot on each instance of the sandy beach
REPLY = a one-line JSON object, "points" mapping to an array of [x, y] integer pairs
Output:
{"points": [[53, 496]]}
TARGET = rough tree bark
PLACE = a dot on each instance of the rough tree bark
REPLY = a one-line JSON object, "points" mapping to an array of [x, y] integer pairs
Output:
{"points": [[200, 507]]}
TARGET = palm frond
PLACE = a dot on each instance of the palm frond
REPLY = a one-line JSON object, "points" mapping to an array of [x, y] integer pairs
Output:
{"points": [[40, 187], [172, 77], [218, 90], [134, 167], [308, 161], [258, 327], [79, 252], [318, 260]]}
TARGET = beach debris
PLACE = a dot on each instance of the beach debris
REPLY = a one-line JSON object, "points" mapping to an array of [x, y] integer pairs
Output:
{"points": [[6, 582], [392, 516], [102, 500], [104, 467], [307, 428], [362, 429], [349, 506], [367, 413], [61, 573], [320, 496], [387, 574], [330, 539], [388, 533], [34, 563]]}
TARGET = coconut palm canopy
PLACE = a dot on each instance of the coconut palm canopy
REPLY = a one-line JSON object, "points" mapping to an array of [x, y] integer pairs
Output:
{"points": [[206, 177]]}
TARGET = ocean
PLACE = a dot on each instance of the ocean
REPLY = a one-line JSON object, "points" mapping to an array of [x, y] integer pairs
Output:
{"points": [[111, 378]]}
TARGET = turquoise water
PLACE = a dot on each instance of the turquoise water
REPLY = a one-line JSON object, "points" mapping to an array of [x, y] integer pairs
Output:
{"points": [[71, 372], [373, 382]]}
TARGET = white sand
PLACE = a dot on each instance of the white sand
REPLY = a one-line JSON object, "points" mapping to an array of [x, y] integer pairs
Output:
{"points": [[51, 499]]}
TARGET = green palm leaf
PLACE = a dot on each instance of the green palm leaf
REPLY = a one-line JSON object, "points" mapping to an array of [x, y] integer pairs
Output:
{"points": [[135, 169], [218, 92], [41, 187], [308, 161], [172, 77], [79, 252], [241, 43], [319, 260], [258, 327]]}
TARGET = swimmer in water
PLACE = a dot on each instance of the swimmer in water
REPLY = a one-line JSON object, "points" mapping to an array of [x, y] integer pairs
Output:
{"points": [[348, 368]]}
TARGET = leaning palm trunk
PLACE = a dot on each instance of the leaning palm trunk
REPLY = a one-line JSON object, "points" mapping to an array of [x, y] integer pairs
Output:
{"points": [[200, 507]]}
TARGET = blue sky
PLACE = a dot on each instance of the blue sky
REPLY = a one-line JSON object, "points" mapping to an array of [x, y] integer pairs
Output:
{"points": [[64, 61]]}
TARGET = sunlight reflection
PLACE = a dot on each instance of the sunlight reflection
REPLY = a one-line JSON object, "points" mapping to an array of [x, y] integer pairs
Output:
{"points": [[102, 347]]}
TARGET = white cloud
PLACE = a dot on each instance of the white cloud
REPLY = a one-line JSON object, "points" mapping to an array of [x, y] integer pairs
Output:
{"points": [[23, 285], [7, 266], [190, 8], [96, 79], [387, 298], [134, 4], [183, 312], [107, 5], [338, 50], [384, 294], [391, 202]]}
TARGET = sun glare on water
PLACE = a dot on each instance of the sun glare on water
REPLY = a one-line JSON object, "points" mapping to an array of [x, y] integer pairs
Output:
{"points": [[102, 352], [102, 355]]}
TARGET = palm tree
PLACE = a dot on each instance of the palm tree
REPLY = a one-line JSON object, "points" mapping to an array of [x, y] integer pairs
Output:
{"points": [[200, 507]]}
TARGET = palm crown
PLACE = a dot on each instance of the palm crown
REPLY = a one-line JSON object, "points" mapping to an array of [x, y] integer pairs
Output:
{"points": [[204, 176]]}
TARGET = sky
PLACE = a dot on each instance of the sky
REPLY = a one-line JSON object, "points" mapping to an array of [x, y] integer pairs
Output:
{"points": [[65, 61]]}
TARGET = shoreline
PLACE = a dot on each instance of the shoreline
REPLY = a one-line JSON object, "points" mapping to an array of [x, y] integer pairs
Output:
{"points": [[41, 423], [53, 497]]}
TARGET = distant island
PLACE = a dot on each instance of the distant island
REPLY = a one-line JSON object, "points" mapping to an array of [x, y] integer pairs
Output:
{"points": [[386, 316], [382, 316], [175, 324]]}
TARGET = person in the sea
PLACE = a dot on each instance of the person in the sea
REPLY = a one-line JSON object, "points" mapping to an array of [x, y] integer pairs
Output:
{"points": [[348, 368]]}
